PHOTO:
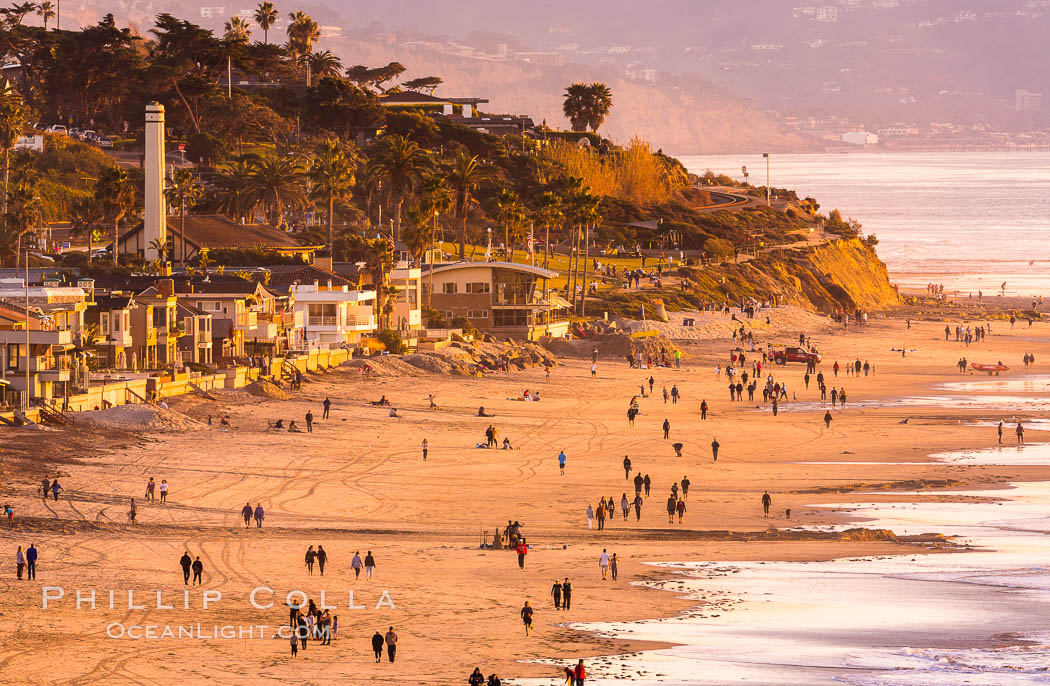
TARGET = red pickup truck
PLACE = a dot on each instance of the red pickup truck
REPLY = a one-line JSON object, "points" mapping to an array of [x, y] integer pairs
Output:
{"points": [[795, 354]]}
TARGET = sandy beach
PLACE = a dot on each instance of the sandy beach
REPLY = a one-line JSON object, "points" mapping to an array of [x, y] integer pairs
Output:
{"points": [[358, 483]]}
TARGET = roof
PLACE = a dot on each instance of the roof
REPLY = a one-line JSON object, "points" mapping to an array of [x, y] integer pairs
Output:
{"points": [[183, 305], [217, 232], [112, 302], [283, 276], [513, 266], [412, 98]]}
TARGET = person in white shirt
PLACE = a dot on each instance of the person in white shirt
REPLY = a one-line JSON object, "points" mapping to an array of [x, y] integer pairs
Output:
{"points": [[603, 562]]}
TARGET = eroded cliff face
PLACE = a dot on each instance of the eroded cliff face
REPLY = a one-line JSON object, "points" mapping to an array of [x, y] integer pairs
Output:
{"points": [[702, 119], [844, 274]]}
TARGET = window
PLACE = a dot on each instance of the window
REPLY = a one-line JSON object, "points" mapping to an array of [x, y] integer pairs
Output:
{"points": [[104, 318], [510, 318], [450, 288], [477, 314], [322, 314], [14, 353], [209, 305], [450, 315], [478, 287]]}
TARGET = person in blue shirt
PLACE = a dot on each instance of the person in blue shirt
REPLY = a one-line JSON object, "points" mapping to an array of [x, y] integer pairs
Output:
{"points": [[31, 555], [561, 462]]}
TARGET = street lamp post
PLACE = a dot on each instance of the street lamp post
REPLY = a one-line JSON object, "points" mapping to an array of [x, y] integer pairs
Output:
{"points": [[766, 155]]}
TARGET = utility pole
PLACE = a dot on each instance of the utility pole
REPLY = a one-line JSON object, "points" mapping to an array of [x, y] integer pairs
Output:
{"points": [[26, 408], [766, 155], [229, 77]]}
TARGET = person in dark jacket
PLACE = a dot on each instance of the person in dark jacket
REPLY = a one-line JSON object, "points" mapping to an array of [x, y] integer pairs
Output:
{"points": [[198, 569], [556, 593], [322, 557], [246, 512], [259, 515], [31, 555], [377, 645], [476, 678], [566, 594], [311, 557], [185, 562]]}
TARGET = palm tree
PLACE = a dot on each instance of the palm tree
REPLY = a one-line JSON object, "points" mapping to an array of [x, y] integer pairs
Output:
{"points": [[88, 216], [587, 105], [12, 118], [548, 212], [23, 208], [266, 16], [46, 10], [464, 176], [324, 63], [229, 190], [380, 263], [332, 178], [303, 32], [276, 183], [590, 217], [238, 30], [437, 198], [183, 191], [400, 162], [511, 214], [116, 193]]}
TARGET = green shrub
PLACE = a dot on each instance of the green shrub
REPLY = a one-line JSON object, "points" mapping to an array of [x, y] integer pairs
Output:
{"points": [[391, 340]]}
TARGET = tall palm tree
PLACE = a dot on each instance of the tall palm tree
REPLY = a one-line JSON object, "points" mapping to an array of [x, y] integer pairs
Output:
{"points": [[276, 183], [183, 191], [511, 214], [464, 176], [332, 178], [437, 198], [303, 32], [116, 192], [266, 16], [400, 162], [12, 119], [46, 10], [23, 208], [380, 263], [238, 30], [324, 63], [590, 217], [548, 212], [88, 216]]}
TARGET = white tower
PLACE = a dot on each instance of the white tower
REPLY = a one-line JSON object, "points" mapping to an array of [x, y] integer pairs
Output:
{"points": [[155, 226]]}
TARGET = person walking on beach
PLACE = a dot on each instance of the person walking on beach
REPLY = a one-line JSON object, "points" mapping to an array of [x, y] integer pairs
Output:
{"points": [[603, 563], [685, 487], [377, 646], [322, 558], [20, 562], [198, 569], [999, 430], [355, 564], [556, 594], [667, 428], [259, 515], [703, 409], [652, 382], [590, 516], [246, 513], [766, 502], [46, 484], [680, 509], [523, 549], [370, 565], [626, 467], [151, 491], [309, 422], [581, 673], [327, 404], [311, 556], [614, 567], [638, 483], [714, 448], [1020, 434], [391, 644], [674, 394], [426, 448], [133, 513], [647, 482], [625, 505], [185, 562], [561, 462], [637, 507], [526, 617], [601, 515], [55, 488], [672, 504], [163, 491], [827, 419]]}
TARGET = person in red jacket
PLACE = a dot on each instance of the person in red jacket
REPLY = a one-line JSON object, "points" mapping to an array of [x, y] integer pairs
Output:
{"points": [[581, 673], [522, 550]]}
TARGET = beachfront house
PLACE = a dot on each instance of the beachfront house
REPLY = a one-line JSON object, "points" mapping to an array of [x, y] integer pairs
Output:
{"points": [[195, 342], [32, 342], [334, 315], [505, 299], [110, 318]]}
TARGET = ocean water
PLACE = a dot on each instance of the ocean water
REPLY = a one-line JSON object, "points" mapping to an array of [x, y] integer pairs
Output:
{"points": [[976, 618], [968, 220]]}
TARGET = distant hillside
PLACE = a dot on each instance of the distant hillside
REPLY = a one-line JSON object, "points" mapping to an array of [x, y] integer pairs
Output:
{"points": [[700, 119]]}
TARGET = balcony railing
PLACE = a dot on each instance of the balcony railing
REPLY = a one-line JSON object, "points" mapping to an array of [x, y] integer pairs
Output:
{"points": [[322, 320]]}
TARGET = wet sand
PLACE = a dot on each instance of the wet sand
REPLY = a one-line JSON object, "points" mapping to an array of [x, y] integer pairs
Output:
{"points": [[358, 482]]}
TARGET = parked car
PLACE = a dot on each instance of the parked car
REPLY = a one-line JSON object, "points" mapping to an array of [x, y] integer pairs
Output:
{"points": [[795, 354], [105, 142], [87, 135], [56, 128]]}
